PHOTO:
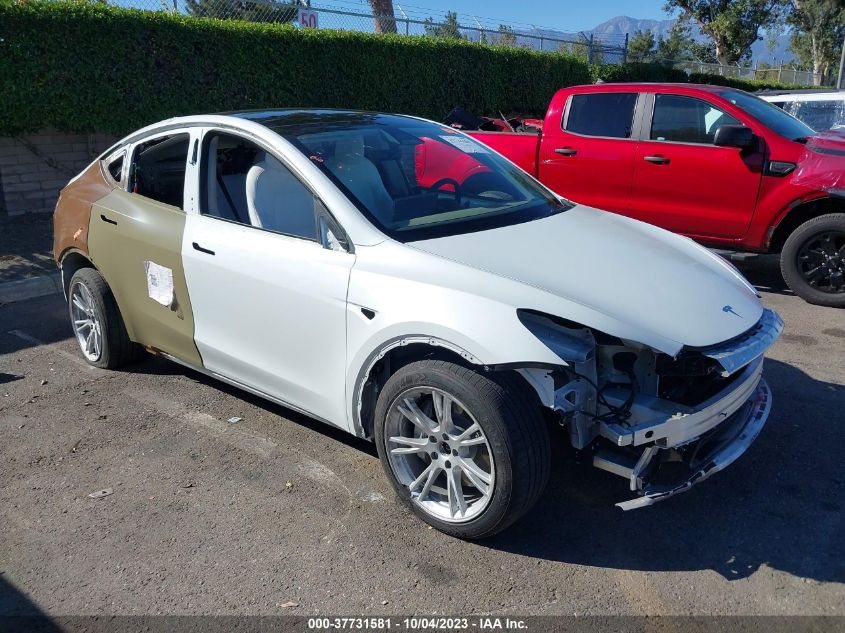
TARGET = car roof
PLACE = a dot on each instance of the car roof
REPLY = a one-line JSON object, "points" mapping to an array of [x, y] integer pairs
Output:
{"points": [[646, 86], [805, 96]]}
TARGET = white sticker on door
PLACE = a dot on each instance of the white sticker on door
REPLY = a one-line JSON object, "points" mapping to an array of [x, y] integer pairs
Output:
{"points": [[159, 283]]}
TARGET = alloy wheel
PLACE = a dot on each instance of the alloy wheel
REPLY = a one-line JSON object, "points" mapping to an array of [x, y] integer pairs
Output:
{"points": [[86, 322], [821, 262], [439, 452]]}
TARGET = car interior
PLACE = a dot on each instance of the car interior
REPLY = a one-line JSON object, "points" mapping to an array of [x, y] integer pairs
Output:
{"points": [[245, 184], [158, 171]]}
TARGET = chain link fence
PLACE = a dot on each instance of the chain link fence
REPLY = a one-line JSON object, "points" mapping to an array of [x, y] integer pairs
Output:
{"points": [[359, 15], [781, 75]]}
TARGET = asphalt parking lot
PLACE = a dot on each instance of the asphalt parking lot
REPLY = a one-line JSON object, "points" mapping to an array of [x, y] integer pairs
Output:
{"points": [[278, 514]]}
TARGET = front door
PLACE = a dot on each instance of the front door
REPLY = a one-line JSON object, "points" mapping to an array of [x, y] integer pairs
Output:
{"points": [[685, 183], [590, 160], [269, 299]]}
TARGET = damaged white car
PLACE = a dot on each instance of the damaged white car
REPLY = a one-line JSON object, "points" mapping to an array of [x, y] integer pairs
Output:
{"points": [[397, 279]]}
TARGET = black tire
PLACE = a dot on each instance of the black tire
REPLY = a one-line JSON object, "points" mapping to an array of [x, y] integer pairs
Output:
{"points": [[510, 418], [116, 348], [790, 264]]}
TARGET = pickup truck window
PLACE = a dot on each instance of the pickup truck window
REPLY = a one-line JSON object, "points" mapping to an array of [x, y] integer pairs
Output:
{"points": [[769, 115], [686, 120], [608, 114]]}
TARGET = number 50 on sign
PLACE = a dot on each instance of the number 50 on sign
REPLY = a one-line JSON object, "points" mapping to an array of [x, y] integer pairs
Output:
{"points": [[307, 19]]}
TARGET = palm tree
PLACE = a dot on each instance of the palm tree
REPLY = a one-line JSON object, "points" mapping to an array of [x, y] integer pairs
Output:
{"points": [[383, 16]]}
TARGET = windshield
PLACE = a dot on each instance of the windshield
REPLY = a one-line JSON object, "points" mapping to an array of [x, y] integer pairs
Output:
{"points": [[418, 180], [769, 115]]}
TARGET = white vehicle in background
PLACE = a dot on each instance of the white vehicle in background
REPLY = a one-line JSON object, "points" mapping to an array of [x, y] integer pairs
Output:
{"points": [[312, 258], [821, 110]]}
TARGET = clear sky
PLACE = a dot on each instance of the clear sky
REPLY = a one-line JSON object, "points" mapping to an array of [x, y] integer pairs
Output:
{"points": [[566, 15]]}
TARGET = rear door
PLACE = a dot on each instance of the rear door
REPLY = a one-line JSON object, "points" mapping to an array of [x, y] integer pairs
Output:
{"points": [[269, 297], [590, 159], [135, 240], [682, 181]]}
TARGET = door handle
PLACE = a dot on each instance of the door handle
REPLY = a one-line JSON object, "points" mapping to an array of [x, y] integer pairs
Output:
{"points": [[657, 160], [109, 220], [566, 151], [199, 248]]}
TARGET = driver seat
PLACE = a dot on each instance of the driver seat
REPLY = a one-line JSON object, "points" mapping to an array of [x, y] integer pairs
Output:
{"points": [[361, 177]]}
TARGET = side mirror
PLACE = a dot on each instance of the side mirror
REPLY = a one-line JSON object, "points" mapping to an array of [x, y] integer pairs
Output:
{"points": [[734, 136]]}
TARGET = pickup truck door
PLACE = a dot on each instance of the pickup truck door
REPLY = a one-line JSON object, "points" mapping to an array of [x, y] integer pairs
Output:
{"points": [[682, 181], [589, 156]]}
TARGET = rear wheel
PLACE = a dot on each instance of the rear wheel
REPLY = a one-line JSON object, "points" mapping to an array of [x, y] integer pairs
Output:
{"points": [[469, 455], [97, 323], [813, 260]]}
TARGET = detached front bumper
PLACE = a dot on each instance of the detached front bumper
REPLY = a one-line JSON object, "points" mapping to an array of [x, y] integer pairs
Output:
{"points": [[708, 455]]}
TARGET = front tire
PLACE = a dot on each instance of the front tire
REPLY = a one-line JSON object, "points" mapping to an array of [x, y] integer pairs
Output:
{"points": [[813, 260], [467, 454], [97, 323]]}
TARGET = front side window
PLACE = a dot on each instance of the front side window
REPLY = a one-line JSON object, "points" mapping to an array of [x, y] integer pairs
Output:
{"points": [[245, 184], [417, 180], [608, 114], [686, 120], [158, 169], [769, 115]]}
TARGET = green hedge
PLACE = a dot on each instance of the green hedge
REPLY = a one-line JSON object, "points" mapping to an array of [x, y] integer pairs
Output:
{"points": [[85, 67]]}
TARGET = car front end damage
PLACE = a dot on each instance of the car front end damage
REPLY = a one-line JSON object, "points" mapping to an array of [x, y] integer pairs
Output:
{"points": [[664, 423]]}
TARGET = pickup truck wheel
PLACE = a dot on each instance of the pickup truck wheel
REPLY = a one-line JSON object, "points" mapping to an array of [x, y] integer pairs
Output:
{"points": [[97, 323], [813, 260], [467, 454]]}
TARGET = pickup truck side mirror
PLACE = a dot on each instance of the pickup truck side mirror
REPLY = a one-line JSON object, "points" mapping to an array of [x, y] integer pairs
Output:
{"points": [[734, 136]]}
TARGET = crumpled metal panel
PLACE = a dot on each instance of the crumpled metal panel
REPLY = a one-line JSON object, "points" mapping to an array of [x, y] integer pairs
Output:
{"points": [[736, 354]]}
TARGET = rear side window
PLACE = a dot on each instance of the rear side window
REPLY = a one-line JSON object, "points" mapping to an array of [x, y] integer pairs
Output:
{"points": [[158, 169], [245, 184], [608, 114], [686, 120]]}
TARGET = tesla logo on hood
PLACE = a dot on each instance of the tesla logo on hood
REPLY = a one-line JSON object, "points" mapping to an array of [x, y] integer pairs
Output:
{"points": [[731, 311]]}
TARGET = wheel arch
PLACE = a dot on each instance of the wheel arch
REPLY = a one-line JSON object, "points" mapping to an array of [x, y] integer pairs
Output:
{"points": [[71, 261], [396, 353], [800, 213]]}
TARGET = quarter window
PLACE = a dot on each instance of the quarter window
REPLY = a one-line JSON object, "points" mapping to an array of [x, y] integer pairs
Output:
{"points": [[115, 168], [609, 114], [686, 120], [158, 169], [247, 185]]}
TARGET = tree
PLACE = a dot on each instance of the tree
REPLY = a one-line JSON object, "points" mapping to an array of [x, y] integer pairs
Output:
{"points": [[243, 10], [641, 46], [677, 46], [383, 16], [506, 36], [818, 31], [581, 50], [447, 28], [732, 25]]}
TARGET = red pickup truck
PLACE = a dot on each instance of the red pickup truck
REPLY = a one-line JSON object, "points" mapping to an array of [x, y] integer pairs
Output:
{"points": [[714, 163]]}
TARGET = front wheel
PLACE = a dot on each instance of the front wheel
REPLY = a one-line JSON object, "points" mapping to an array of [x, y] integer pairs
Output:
{"points": [[468, 454], [813, 260]]}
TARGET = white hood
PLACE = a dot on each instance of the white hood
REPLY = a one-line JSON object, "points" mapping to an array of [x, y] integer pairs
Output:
{"points": [[632, 272]]}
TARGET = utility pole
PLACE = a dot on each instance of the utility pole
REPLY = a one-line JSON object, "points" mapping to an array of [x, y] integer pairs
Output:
{"points": [[625, 51], [840, 82]]}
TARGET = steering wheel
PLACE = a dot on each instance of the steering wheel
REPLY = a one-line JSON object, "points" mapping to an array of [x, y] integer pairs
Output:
{"points": [[448, 181]]}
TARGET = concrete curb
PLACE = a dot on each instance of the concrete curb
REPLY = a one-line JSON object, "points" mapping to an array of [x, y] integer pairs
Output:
{"points": [[30, 288]]}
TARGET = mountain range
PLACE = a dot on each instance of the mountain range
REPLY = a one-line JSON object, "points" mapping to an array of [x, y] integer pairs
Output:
{"points": [[615, 29]]}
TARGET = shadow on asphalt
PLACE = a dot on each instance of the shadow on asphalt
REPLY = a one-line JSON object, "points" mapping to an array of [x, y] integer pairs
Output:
{"points": [[19, 613]]}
